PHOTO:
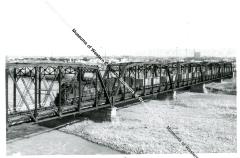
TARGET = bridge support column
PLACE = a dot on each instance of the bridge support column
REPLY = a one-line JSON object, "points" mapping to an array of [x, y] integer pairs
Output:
{"points": [[197, 88], [113, 114], [234, 74], [174, 95]]}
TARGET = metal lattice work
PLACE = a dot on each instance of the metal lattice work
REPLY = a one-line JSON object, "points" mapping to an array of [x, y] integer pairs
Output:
{"points": [[42, 91], [150, 78]]}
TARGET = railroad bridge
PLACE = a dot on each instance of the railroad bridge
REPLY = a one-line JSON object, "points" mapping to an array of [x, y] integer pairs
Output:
{"points": [[37, 92]]}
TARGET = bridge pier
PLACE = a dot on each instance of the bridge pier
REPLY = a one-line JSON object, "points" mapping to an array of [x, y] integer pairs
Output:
{"points": [[234, 74], [197, 88]]}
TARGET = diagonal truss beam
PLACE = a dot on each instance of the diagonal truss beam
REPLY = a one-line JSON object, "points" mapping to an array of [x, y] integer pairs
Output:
{"points": [[27, 90], [48, 91], [22, 96], [29, 86]]}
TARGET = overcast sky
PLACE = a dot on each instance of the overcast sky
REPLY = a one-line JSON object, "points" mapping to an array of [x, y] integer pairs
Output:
{"points": [[124, 27]]}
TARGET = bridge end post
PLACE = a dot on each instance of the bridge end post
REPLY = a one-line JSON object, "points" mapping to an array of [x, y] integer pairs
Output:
{"points": [[6, 94]]}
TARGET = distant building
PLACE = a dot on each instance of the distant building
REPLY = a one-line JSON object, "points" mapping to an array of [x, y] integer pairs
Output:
{"points": [[197, 54]]}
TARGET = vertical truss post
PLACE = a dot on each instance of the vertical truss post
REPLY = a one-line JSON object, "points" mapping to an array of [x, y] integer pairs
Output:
{"points": [[60, 91], [160, 75], [118, 81], [193, 74], [186, 67], [35, 91], [79, 88], [184, 74], [176, 78], [227, 69], [6, 81], [170, 79], [187, 71], [224, 69], [203, 69], [14, 90], [109, 81], [219, 71], [152, 71], [124, 87], [39, 87], [231, 69], [138, 71], [213, 71], [196, 74], [96, 89], [74, 92], [216, 71], [144, 78], [135, 78], [129, 79], [211, 68]]}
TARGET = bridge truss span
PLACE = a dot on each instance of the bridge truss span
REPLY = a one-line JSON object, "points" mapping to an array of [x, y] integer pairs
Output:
{"points": [[38, 92]]}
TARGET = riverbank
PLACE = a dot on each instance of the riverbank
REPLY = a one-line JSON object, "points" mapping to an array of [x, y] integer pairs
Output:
{"points": [[206, 122], [227, 86]]}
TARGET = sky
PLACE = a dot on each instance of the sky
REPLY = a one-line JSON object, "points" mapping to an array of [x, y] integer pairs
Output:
{"points": [[123, 27]]}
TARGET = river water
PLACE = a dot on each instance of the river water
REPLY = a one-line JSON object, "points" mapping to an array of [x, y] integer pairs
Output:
{"points": [[56, 143], [208, 117]]}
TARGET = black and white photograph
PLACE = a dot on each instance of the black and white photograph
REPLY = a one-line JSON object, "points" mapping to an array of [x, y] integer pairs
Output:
{"points": [[146, 78]]}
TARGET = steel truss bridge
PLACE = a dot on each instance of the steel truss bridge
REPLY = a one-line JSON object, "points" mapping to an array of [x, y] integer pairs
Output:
{"points": [[37, 92]]}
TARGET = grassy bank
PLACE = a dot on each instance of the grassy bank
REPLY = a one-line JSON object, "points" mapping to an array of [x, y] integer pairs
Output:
{"points": [[206, 122]]}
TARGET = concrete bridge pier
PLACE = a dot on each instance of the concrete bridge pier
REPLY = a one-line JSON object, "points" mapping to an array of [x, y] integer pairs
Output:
{"points": [[113, 116], [234, 74], [200, 88], [174, 95]]}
